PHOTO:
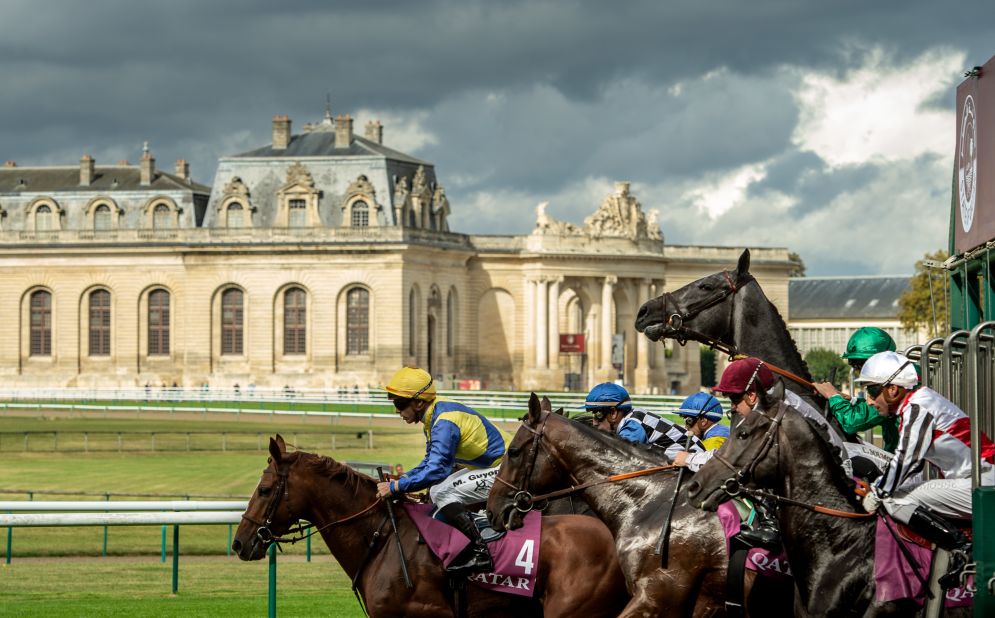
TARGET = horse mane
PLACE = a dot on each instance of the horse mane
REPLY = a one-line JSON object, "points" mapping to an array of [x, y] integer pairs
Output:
{"points": [[830, 453], [792, 349], [612, 440], [330, 469]]}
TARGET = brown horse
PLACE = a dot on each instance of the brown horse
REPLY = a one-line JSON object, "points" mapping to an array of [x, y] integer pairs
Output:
{"points": [[342, 504], [832, 557], [549, 452]]}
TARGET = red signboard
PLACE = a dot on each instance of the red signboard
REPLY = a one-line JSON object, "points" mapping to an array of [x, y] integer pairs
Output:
{"points": [[572, 344], [974, 160]]}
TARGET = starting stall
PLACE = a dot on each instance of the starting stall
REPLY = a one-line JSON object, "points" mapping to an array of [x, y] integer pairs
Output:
{"points": [[963, 363]]}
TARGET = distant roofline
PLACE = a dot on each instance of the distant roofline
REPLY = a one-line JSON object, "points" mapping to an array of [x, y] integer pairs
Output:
{"points": [[848, 277]]}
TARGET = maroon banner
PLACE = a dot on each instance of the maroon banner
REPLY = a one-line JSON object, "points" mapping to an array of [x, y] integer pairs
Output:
{"points": [[572, 344], [974, 160]]}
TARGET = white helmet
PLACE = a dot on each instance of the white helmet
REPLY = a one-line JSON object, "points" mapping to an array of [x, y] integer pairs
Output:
{"points": [[889, 368]]}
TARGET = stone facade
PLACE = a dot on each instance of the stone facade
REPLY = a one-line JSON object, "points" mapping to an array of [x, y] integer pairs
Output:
{"points": [[325, 259]]}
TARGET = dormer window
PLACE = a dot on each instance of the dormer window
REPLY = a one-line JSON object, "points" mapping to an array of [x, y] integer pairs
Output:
{"points": [[360, 214], [235, 215], [162, 218], [298, 213], [43, 219], [102, 218]]}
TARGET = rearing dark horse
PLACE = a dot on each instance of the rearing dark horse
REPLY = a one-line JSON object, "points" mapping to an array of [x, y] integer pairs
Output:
{"points": [[727, 307]]}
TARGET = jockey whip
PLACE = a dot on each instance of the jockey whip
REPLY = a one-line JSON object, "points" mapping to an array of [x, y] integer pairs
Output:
{"points": [[397, 536]]}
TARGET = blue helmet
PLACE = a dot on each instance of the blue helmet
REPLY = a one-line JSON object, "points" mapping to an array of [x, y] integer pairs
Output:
{"points": [[702, 404], [608, 395]]}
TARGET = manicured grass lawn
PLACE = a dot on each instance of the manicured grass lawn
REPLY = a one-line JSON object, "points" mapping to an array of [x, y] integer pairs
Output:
{"points": [[208, 587]]}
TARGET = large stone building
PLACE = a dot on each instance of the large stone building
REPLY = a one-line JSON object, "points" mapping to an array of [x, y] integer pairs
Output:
{"points": [[325, 259]]}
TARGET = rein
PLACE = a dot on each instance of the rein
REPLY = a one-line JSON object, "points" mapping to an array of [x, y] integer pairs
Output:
{"points": [[524, 500]]}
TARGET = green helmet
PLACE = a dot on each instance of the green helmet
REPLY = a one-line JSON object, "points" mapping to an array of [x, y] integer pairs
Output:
{"points": [[868, 341]]}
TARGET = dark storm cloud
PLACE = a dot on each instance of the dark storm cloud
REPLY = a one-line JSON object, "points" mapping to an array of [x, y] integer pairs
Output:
{"points": [[525, 100]]}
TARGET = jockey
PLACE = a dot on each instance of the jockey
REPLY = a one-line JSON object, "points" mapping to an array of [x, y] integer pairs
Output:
{"points": [[613, 411], [462, 454], [934, 430], [856, 415], [702, 415]]}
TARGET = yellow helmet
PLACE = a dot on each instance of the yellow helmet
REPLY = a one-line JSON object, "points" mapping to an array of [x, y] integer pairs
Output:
{"points": [[411, 383]]}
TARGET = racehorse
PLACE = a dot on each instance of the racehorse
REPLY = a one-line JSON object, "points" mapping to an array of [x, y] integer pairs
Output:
{"points": [[342, 504], [727, 308], [830, 548], [549, 452]]}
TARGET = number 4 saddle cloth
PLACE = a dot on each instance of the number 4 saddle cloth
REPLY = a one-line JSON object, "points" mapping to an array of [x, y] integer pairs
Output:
{"points": [[516, 554]]}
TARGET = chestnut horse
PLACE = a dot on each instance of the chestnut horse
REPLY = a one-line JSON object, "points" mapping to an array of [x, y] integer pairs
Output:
{"points": [[578, 573], [550, 451], [831, 557]]}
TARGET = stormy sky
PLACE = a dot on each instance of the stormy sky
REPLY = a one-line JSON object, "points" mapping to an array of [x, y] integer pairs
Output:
{"points": [[825, 127]]}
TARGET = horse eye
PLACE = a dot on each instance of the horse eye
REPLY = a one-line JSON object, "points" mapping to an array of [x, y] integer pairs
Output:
{"points": [[264, 491], [514, 451], [707, 287]]}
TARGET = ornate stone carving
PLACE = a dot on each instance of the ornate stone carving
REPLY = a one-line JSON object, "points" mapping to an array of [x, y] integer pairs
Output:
{"points": [[297, 174], [620, 215], [548, 225], [235, 188], [420, 183], [361, 186], [652, 227]]}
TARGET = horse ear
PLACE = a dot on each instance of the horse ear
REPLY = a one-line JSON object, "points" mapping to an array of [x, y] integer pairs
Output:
{"points": [[559, 411], [744, 263], [535, 410], [546, 405], [276, 448], [775, 396]]}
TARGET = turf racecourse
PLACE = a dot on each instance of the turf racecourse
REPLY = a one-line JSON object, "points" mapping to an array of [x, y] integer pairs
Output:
{"points": [[61, 571], [209, 586]]}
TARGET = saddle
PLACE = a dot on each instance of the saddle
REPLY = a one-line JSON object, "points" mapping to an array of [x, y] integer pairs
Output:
{"points": [[909, 535]]}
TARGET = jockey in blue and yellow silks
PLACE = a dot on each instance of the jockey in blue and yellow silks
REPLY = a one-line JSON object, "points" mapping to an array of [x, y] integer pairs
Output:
{"points": [[462, 454]]}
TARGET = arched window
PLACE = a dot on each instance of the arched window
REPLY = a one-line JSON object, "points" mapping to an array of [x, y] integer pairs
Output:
{"points": [[162, 218], [100, 323], [43, 218], [360, 214], [412, 323], [231, 322], [294, 321], [102, 217], [450, 322], [357, 322], [158, 323], [298, 213], [41, 323], [236, 215]]}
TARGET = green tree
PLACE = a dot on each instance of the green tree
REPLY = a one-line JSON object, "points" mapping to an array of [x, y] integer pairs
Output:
{"points": [[706, 359], [924, 304], [797, 265], [820, 363]]}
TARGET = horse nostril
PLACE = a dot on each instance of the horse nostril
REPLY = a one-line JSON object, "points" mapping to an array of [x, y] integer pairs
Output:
{"points": [[236, 546], [693, 488]]}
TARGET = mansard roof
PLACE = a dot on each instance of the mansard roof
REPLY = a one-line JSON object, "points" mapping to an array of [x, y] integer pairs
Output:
{"points": [[322, 144], [106, 178], [812, 298]]}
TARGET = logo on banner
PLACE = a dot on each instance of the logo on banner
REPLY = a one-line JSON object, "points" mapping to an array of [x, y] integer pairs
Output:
{"points": [[967, 164]]}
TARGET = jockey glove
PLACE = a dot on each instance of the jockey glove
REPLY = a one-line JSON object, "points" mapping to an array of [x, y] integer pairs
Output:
{"points": [[871, 502]]}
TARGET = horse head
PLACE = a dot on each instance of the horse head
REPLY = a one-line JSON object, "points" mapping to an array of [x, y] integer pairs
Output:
{"points": [[529, 467], [270, 513], [749, 457], [702, 307]]}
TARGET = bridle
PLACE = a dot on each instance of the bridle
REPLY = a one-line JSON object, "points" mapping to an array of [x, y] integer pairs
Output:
{"points": [[676, 320], [281, 491], [734, 485], [523, 499]]}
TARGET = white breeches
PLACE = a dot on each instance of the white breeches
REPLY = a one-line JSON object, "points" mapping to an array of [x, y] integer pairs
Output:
{"points": [[464, 486]]}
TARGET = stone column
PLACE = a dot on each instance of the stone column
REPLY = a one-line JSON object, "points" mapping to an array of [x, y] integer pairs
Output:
{"points": [[554, 322], [541, 311], [607, 327], [642, 347], [530, 322]]}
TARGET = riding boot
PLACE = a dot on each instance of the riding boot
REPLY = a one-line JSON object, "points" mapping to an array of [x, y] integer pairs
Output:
{"points": [[946, 536], [476, 558], [763, 530]]}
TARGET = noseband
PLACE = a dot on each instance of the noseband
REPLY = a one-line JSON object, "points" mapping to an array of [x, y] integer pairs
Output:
{"points": [[677, 320], [523, 500]]}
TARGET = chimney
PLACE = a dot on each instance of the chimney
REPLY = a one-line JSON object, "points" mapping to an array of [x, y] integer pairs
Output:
{"points": [[281, 131], [374, 131], [148, 168], [183, 169], [343, 131], [9, 163], [86, 164]]}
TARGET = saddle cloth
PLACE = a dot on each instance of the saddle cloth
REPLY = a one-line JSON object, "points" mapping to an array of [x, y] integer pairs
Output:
{"points": [[768, 563], [894, 577], [516, 554]]}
